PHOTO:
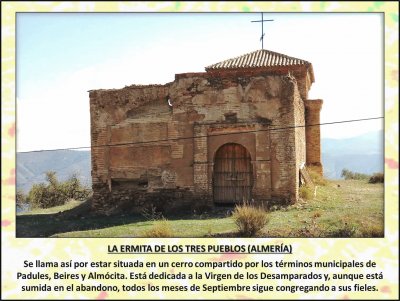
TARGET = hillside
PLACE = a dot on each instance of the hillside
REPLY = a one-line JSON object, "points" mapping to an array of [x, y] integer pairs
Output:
{"points": [[31, 167], [342, 208], [364, 154], [360, 154]]}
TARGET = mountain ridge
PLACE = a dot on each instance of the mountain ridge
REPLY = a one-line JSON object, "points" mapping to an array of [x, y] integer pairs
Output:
{"points": [[351, 153]]}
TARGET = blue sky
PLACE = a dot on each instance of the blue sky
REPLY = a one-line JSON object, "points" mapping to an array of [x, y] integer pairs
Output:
{"points": [[60, 56]]}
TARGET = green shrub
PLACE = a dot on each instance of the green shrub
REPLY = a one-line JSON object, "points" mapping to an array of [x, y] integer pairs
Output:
{"points": [[161, 228], [73, 189], [20, 199], [57, 193], [44, 196], [376, 178], [305, 193], [151, 213], [249, 219], [349, 175]]}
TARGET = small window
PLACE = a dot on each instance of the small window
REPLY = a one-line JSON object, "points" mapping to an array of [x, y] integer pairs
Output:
{"points": [[231, 117]]}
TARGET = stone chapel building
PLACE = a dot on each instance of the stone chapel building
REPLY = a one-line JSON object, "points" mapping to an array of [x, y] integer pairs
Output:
{"points": [[234, 132]]}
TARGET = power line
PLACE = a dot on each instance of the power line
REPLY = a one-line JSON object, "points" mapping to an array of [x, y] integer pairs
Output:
{"points": [[202, 136]]}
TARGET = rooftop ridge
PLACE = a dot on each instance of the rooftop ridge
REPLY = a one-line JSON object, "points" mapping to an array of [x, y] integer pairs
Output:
{"points": [[258, 58]]}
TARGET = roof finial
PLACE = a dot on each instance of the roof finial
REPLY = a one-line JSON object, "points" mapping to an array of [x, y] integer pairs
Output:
{"points": [[262, 29]]}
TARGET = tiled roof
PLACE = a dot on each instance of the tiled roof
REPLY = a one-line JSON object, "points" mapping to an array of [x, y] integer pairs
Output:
{"points": [[259, 58]]}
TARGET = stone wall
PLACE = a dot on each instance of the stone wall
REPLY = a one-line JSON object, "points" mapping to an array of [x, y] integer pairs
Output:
{"points": [[147, 152], [111, 136]]}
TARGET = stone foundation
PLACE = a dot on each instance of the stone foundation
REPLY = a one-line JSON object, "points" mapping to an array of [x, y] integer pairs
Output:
{"points": [[130, 201]]}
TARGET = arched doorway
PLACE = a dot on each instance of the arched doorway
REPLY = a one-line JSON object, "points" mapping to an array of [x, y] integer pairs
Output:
{"points": [[233, 176]]}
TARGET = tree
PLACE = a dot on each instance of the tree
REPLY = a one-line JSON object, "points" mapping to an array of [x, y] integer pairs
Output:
{"points": [[20, 199], [57, 193]]}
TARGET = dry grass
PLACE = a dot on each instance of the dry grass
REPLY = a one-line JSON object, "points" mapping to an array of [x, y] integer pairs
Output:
{"points": [[372, 230], [249, 219], [316, 177], [350, 208], [346, 229], [305, 193], [161, 228], [342, 208]]}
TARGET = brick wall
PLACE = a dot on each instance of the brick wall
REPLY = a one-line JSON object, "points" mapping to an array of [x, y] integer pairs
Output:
{"points": [[300, 137], [283, 145], [313, 139], [160, 154]]}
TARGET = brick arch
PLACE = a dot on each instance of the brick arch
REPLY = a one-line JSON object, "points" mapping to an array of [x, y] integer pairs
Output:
{"points": [[247, 140]]}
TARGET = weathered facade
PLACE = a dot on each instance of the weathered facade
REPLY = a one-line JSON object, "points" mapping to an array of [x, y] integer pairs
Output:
{"points": [[235, 132]]}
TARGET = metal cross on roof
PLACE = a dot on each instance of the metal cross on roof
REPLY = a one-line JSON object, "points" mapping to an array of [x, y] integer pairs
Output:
{"points": [[262, 29]]}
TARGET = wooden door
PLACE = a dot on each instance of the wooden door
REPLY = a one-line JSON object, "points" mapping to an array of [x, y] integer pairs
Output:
{"points": [[233, 177]]}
